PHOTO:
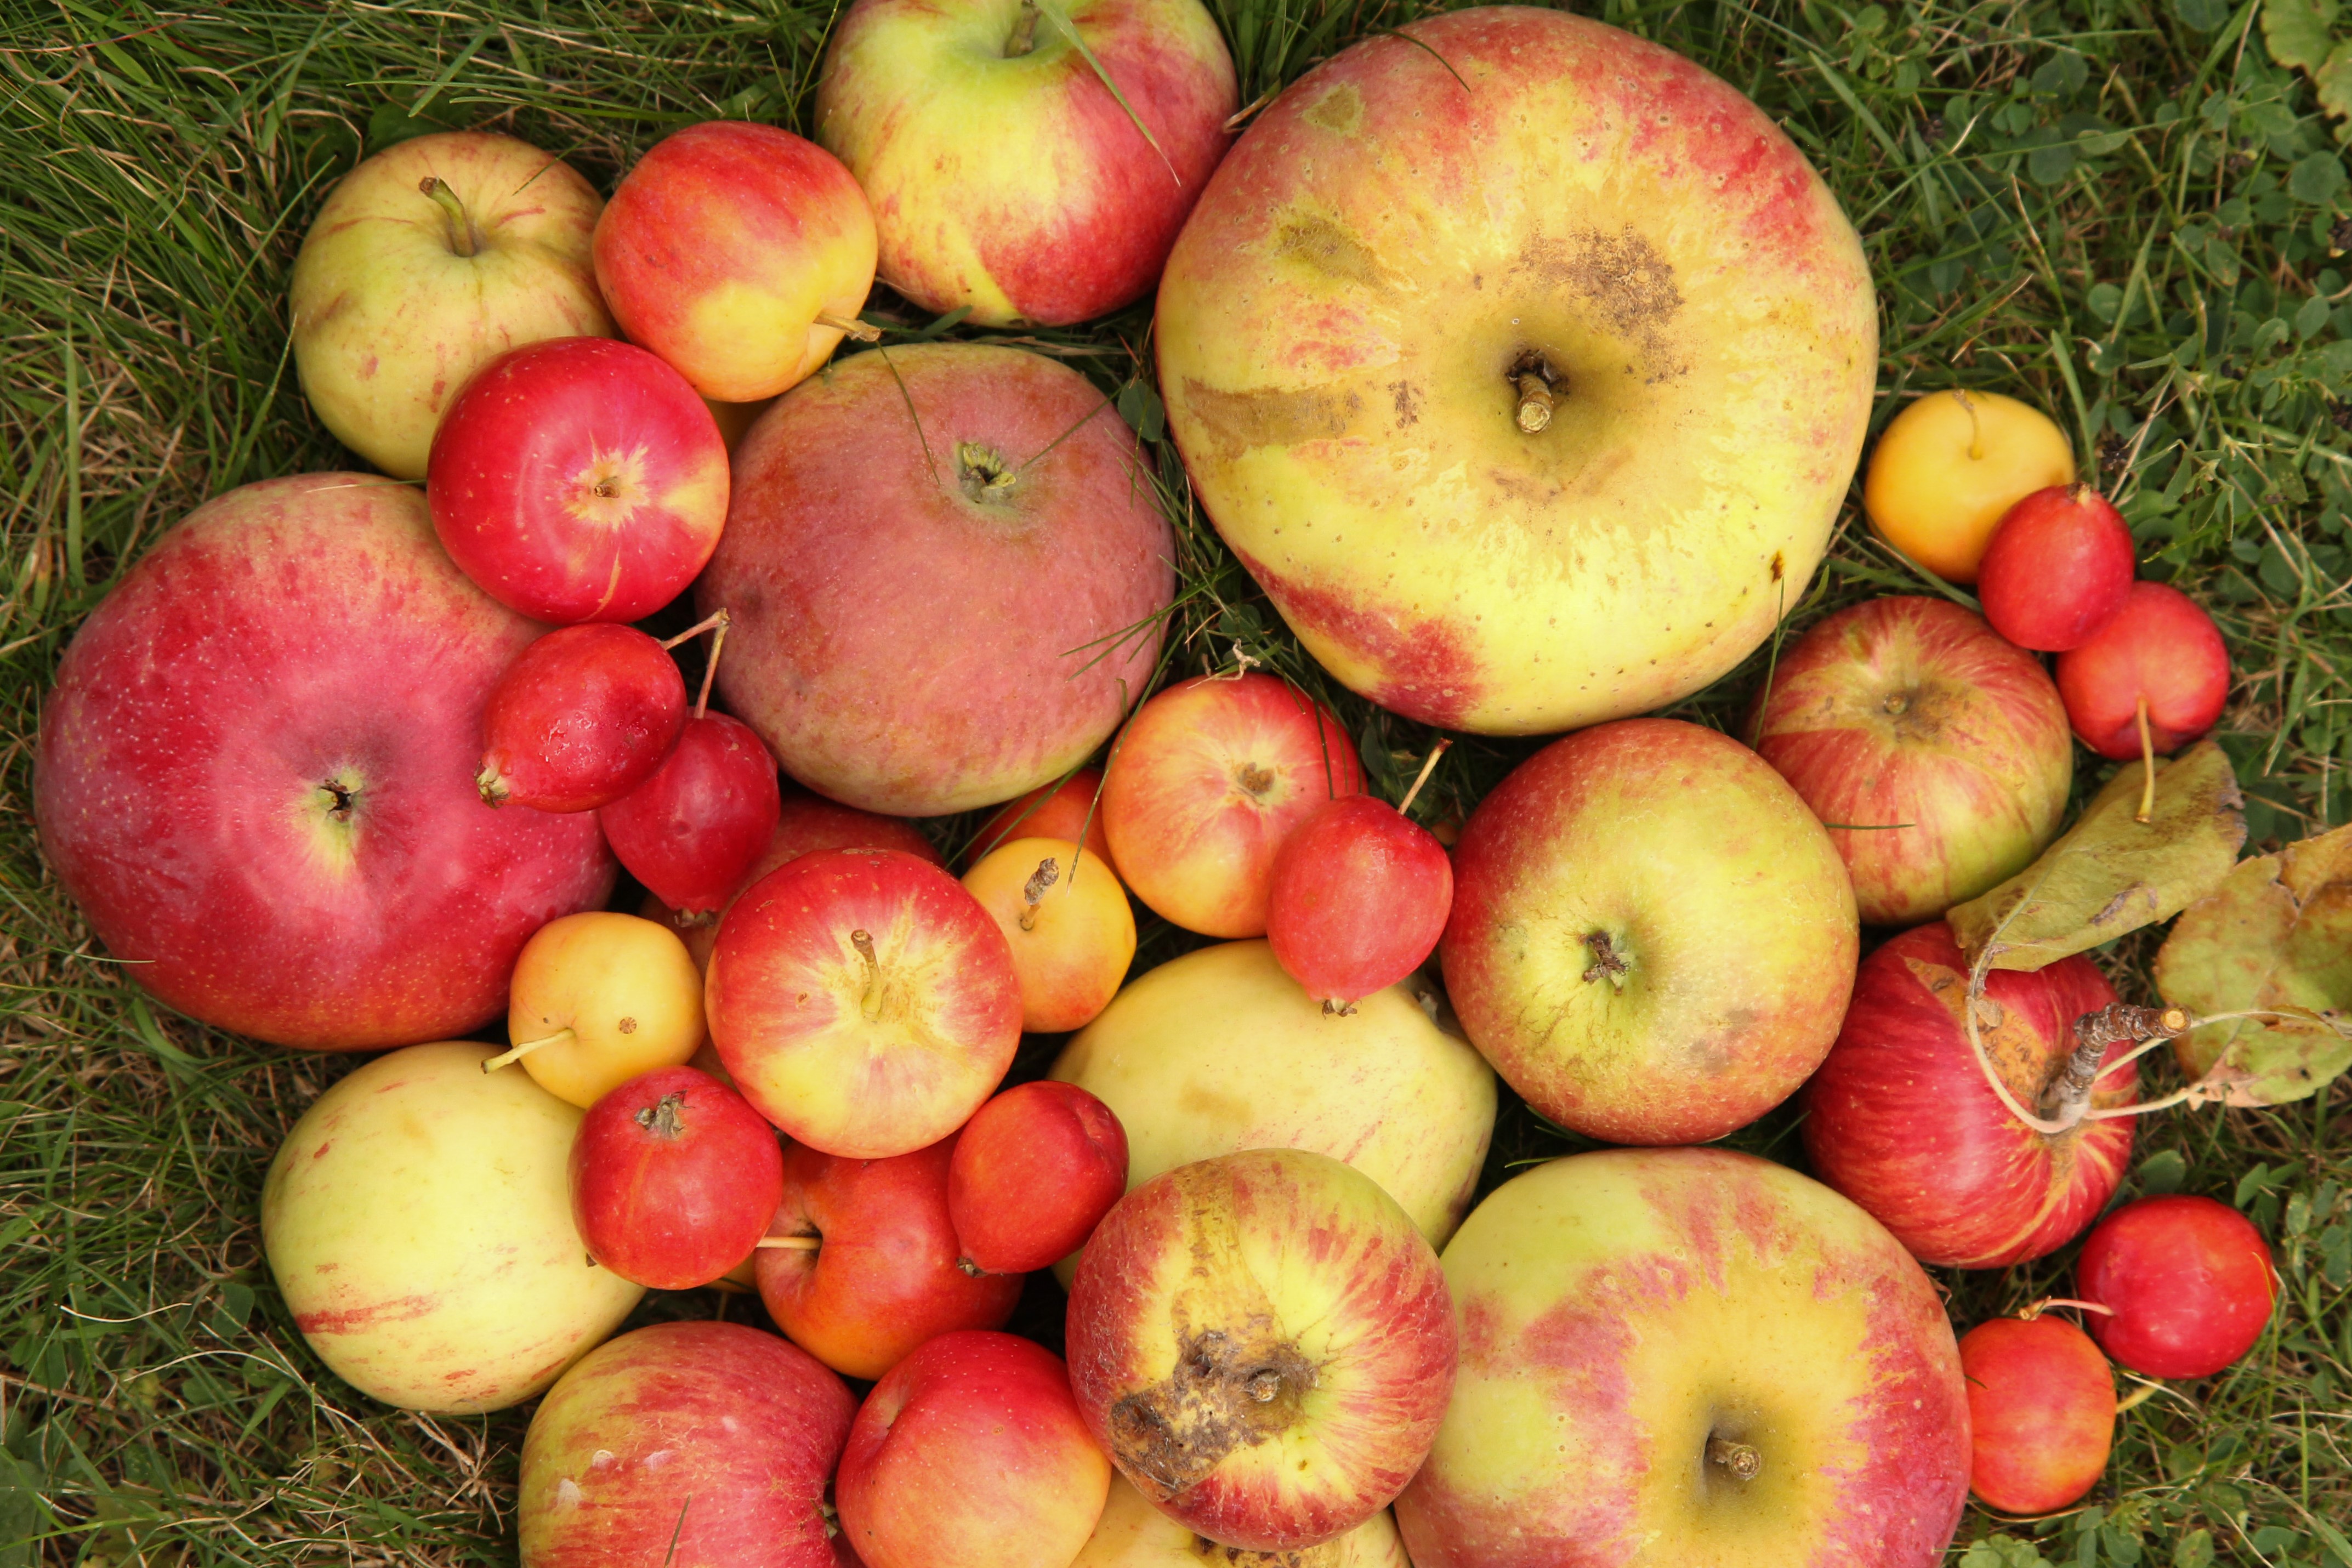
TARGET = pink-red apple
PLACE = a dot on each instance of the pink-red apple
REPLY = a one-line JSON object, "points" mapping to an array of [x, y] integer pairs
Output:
{"points": [[255, 775], [674, 1179], [2058, 569], [2187, 1284], [583, 717], [1035, 1170], [1065, 810], [2041, 1412], [1936, 752], [1209, 778], [948, 566], [2162, 657], [1358, 899], [1066, 919], [697, 823]]}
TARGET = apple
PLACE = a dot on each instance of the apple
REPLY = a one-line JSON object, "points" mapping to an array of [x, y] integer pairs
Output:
{"points": [[2041, 1412], [2058, 569], [579, 479], [1358, 899], [1263, 1343], [1936, 752], [1035, 1170], [697, 823], [738, 253], [255, 775], [1066, 919], [427, 261], [1652, 939], [1069, 810], [861, 1264], [1006, 177], [2186, 1282], [1218, 1051], [980, 504], [1685, 1356], [1523, 363], [1209, 778], [583, 717], [409, 1285], [972, 1451], [687, 1444], [1949, 466], [2161, 654], [1134, 1534], [598, 999], [862, 1001], [674, 1179]]}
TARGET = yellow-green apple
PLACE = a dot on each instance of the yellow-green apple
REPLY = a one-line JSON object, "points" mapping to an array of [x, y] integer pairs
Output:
{"points": [[1652, 939], [983, 504], [740, 253], [1068, 809], [1358, 899], [598, 998], [1678, 1356], [1035, 1170], [2041, 1412], [699, 821], [583, 717], [427, 261], [579, 480], [409, 1284], [1134, 1534], [255, 775], [1209, 778], [861, 1262], [1934, 749], [1218, 1051], [1067, 922], [1900, 1120], [674, 1179], [972, 1451], [1007, 177], [862, 1001], [1263, 1343], [691, 1443], [1524, 363]]}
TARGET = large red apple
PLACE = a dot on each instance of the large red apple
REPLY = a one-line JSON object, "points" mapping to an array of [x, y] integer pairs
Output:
{"points": [[256, 775], [1936, 751], [945, 564], [1900, 1119], [1686, 1356]]}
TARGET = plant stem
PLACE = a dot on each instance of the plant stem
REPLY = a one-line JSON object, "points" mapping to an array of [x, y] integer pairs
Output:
{"points": [[850, 327], [791, 1243], [1024, 32], [461, 227], [2147, 763], [1421, 778], [524, 1049]]}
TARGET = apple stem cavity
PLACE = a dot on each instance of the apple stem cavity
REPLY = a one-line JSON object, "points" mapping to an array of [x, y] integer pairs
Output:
{"points": [[1606, 964], [524, 1049], [850, 327], [2147, 766], [716, 624], [461, 225], [662, 1118], [1024, 38], [1033, 891], [1743, 1461], [1427, 767], [982, 471]]}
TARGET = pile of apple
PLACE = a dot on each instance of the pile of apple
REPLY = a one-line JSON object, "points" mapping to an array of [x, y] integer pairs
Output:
{"points": [[1525, 366]]}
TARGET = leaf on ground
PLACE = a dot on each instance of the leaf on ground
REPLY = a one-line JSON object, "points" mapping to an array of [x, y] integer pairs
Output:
{"points": [[2111, 873], [2333, 80], [2277, 935], [2299, 32]]}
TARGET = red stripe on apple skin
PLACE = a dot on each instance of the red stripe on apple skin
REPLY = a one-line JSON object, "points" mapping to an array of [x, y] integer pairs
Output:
{"points": [[355, 1320], [1428, 670]]}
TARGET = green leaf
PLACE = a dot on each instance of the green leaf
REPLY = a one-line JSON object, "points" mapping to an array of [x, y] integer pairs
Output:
{"points": [[2162, 1172], [2333, 80], [2297, 31], [2202, 15], [2111, 873], [2315, 180], [2194, 1550], [2277, 935]]}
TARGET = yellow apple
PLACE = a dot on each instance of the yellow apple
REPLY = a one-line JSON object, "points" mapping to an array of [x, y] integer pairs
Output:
{"points": [[1948, 468], [599, 998], [1068, 919]]}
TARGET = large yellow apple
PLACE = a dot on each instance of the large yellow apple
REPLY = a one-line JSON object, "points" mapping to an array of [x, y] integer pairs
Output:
{"points": [[1524, 363]]}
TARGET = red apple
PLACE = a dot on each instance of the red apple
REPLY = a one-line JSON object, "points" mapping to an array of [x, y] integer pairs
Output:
{"points": [[1936, 752], [1263, 1343], [1358, 899], [2058, 569], [1035, 1169], [2187, 1282], [1900, 1119], [2041, 1412], [674, 1179], [583, 717], [947, 567], [685, 1443], [881, 1276], [692, 828], [1212, 776], [255, 775], [1067, 810], [2160, 650], [580, 479], [972, 1451]]}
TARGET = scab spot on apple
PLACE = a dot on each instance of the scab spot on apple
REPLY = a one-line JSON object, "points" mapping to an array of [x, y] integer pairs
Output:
{"points": [[1226, 1392]]}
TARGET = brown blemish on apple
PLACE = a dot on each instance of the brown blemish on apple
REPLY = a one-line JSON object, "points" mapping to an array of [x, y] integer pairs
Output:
{"points": [[1320, 245], [1322, 1554], [1621, 277], [1238, 422], [1340, 110]]}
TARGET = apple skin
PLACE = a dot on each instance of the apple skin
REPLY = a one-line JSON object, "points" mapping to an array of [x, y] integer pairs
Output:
{"points": [[1273, 1266], [1134, 1534], [855, 536], [1067, 810], [1209, 778], [1340, 319], [389, 321], [1911, 710], [1072, 938], [674, 1179], [583, 717], [288, 639], [693, 827], [692, 1443], [1018, 185], [723, 245], [2041, 1412], [2188, 1282], [1035, 1170], [884, 1278], [1716, 890], [972, 1451], [1620, 1309], [1949, 465], [579, 479], [1900, 1120], [2058, 569], [2161, 646], [1358, 899]]}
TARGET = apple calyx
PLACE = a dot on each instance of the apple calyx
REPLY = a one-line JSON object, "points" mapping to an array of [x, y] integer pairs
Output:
{"points": [[1024, 37], [338, 798], [489, 784], [662, 1118], [1033, 891], [1606, 964], [1742, 1462], [982, 473], [462, 238], [1335, 1008], [1533, 378], [1227, 1392]]}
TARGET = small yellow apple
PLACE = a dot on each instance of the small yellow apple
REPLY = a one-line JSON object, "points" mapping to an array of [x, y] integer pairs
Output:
{"points": [[1950, 465], [599, 998], [1068, 919]]}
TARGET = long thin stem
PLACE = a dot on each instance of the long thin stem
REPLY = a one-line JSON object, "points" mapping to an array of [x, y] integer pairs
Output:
{"points": [[1421, 778], [1977, 972], [2147, 764], [791, 1243], [461, 227], [850, 327], [524, 1049]]}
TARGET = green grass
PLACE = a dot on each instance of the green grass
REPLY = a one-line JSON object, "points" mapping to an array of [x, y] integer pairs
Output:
{"points": [[2119, 210]]}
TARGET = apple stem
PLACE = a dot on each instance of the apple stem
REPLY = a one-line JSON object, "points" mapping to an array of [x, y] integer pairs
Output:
{"points": [[2147, 766], [1535, 401], [716, 624], [850, 327], [1024, 32], [1975, 427], [524, 1049], [869, 1005], [715, 621], [1744, 1462], [1428, 765], [2147, 1390], [2036, 1308], [791, 1243], [1033, 891], [461, 227]]}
